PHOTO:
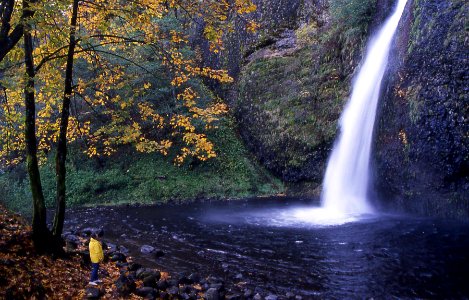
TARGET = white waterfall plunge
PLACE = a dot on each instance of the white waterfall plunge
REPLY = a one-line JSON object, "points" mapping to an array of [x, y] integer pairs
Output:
{"points": [[345, 184]]}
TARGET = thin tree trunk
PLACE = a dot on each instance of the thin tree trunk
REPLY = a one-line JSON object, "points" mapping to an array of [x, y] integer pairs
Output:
{"points": [[61, 156], [8, 40], [40, 232]]}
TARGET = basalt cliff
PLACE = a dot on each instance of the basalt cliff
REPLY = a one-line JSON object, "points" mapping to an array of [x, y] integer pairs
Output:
{"points": [[293, 78]]}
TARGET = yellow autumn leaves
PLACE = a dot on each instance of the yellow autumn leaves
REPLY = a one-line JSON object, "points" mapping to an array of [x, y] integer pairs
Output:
{"points": [[111, 104]]}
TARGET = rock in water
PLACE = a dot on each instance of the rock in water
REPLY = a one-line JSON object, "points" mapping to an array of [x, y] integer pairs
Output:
{"points": [[147, 249], [158, 253], [212, 294], [124, 250]]}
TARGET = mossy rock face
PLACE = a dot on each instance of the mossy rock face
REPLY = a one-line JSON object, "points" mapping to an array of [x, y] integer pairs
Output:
{"points": [[422, 144], [291, 91], [282, 122]]}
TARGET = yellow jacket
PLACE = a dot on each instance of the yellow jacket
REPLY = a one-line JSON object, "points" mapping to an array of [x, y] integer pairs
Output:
{"points": [[96, 251]]}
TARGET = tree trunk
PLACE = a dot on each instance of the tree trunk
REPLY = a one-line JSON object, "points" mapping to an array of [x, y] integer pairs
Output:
{"points": [[40, 232], [9, 40], [61, 156]]}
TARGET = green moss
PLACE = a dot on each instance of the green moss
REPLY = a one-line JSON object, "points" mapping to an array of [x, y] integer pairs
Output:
{"points": [[414, 102], [415, 32], [459, 28], [290, 105], [307, 34]]}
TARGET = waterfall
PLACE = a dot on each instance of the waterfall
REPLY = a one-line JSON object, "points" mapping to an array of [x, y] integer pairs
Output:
{"points": [[345, 185]]}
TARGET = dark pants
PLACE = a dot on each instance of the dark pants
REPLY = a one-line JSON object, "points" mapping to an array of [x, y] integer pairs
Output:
{"points": [[94, 271]]}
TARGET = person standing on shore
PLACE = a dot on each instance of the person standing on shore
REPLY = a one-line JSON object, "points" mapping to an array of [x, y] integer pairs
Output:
{"points": [[97, 256]]}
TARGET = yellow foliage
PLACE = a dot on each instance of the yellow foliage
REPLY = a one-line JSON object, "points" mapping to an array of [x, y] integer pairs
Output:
{"points": [[102, 117]]}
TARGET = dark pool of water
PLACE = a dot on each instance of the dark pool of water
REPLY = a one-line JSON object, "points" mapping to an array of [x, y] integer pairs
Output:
{"points": [[247, 244]]}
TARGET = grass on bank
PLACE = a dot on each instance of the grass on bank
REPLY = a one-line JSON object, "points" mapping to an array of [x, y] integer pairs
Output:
{"points": [[131, 177]]}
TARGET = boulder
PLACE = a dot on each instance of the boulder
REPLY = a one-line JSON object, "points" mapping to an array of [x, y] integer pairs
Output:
{"points": [[93, 293], [217, 286], [185, 289], [172, 282], [71, 238], [257, 297], [183, 279], [146, 292], [111, 247], [121, 265], [162, 285], [118, 257], [271, 297], [173, 292], [70, 246], [145, 272], [248, 293], [194, 278], [150, 281], [124, 285], [134, 266], [185, 296], [131, 275], [212, 294]]}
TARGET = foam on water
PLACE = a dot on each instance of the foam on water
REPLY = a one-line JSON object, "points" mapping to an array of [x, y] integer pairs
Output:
{"points": [[300, 216]]}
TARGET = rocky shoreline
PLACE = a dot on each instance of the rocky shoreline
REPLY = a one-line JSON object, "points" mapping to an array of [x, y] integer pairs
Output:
{"points": [[138, 280]]}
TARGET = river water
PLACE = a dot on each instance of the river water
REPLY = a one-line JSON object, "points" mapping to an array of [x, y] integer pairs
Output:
{"points": [[261, 243]]}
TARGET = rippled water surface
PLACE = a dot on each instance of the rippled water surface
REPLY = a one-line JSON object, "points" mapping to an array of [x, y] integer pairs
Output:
{"points": [[273, 244]]}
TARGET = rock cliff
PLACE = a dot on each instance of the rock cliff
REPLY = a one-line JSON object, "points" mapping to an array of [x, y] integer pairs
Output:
{"points": [[294, 76], [422, 133], [295, 80]]}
